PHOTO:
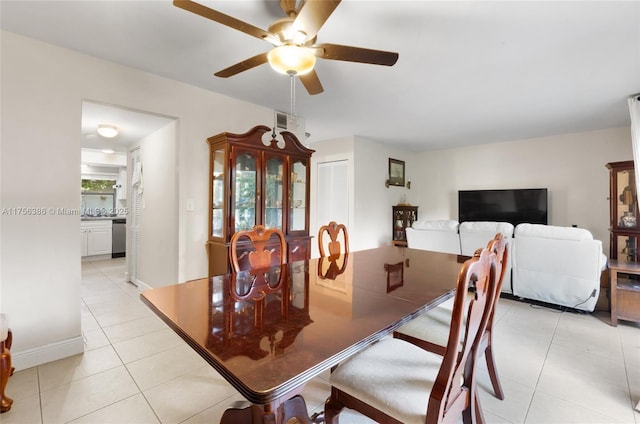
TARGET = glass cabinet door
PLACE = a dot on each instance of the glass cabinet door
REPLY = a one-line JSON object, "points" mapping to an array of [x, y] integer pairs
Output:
{"points": [[245, 191], [273, 198], [298, 196], [627, 246], [217, 188], [626, 200]]}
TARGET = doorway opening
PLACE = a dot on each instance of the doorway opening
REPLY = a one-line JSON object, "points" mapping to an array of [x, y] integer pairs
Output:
{"points": [[143, 221]]}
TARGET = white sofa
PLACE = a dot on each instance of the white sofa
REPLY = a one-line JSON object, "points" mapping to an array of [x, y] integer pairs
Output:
{"points": [[558, 265], [438, 236]]}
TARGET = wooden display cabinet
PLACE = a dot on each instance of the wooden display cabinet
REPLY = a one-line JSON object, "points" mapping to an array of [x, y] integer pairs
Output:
{"points": [[624, 229], [257, 180], [403, 216], [624, 267]]}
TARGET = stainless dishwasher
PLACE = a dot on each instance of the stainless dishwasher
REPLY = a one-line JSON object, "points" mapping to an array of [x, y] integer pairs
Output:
{"points": [[119, 238]]}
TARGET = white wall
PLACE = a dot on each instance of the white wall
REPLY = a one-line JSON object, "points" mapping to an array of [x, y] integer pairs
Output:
{"points": [[373, 200], [370, 201], [157, 252], [571, 166], [43, 87]]}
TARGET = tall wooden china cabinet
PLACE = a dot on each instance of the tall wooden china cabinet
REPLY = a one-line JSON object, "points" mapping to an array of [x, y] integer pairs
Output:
{"points": [[257, 180], [624, 263], [624, 228]]}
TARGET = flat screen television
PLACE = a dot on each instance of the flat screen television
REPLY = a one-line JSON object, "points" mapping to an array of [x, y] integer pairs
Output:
{"points": [[514, 206]]}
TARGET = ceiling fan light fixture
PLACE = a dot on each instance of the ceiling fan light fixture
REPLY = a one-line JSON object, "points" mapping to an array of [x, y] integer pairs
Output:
{"points": [[107, 131], [291, 59]]}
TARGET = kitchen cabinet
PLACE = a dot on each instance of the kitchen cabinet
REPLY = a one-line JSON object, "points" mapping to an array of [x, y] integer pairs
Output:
{"points": [[95, 237], [257, 180]]}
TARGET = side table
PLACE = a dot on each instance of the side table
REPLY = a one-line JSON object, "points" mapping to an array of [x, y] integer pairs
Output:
{"points": [[624, 291]]}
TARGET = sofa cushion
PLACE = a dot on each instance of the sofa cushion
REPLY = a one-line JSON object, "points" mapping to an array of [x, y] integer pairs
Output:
{"points": [[437, 236], [552, 232], [437, 225], [495, 227], [477, 234]]}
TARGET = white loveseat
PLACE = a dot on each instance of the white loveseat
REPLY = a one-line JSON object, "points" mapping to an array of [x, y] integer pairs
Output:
{"points": [[558, 265]]}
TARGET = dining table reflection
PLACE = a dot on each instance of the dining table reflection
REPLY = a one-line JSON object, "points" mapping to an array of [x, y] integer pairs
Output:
{"points": [[260, 314]]}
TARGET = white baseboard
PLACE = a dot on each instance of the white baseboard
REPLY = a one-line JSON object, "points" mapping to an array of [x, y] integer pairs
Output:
{"points": [[47, 353], [141, 285]]}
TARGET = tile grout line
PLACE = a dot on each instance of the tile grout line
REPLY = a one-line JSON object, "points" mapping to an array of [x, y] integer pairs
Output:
{"points": [[544, 362], [626, 372]]}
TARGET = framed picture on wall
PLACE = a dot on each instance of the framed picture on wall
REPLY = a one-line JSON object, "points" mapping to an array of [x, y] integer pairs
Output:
{"points": [[396, 172]]}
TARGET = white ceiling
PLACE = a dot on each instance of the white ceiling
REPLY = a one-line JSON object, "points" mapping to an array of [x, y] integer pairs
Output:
{"points": [[468, 73], [132, 126]]}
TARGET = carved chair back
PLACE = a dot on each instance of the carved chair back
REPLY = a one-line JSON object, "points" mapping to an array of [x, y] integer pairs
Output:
{"points": [[261, 256], [333, 230], [454, 388]]}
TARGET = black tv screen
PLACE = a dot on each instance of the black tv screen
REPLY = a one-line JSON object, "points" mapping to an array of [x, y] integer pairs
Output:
{"points": [[514, 206]]}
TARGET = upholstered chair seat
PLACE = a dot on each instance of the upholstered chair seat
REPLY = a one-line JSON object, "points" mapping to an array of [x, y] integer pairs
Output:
{"points": [[432, 326], [398, 385]]}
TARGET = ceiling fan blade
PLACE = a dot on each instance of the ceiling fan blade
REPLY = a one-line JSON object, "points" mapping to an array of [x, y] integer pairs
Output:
{"points": [[252, 62], [356, 54], [311, 82], [312, 15], [223, 19]]}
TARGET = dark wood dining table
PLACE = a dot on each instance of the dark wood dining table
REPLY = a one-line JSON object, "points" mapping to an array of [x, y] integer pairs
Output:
{"points": [[269, 332]]}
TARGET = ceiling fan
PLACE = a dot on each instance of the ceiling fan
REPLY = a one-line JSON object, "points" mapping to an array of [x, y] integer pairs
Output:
{"points": [[293, 38]]}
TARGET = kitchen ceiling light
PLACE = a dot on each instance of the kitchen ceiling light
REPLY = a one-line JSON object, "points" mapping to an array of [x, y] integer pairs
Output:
{"points": [[107, 131], [290, 59]]}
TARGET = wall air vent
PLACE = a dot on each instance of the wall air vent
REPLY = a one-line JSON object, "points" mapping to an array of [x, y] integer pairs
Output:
{"points": [[292, 123]]}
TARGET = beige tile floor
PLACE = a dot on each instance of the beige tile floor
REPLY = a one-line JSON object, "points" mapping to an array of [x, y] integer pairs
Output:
{"points": [[555, 368]]}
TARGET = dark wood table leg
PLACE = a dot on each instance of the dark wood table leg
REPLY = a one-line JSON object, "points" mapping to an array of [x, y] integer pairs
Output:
{"points": [[264, 414], [294, 408]]}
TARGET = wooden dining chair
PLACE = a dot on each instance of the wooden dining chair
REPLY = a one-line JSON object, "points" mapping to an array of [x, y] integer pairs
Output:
{"points": [[429, 330], [6, 370], [333, 230], [261, 240], [394, 381]]}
